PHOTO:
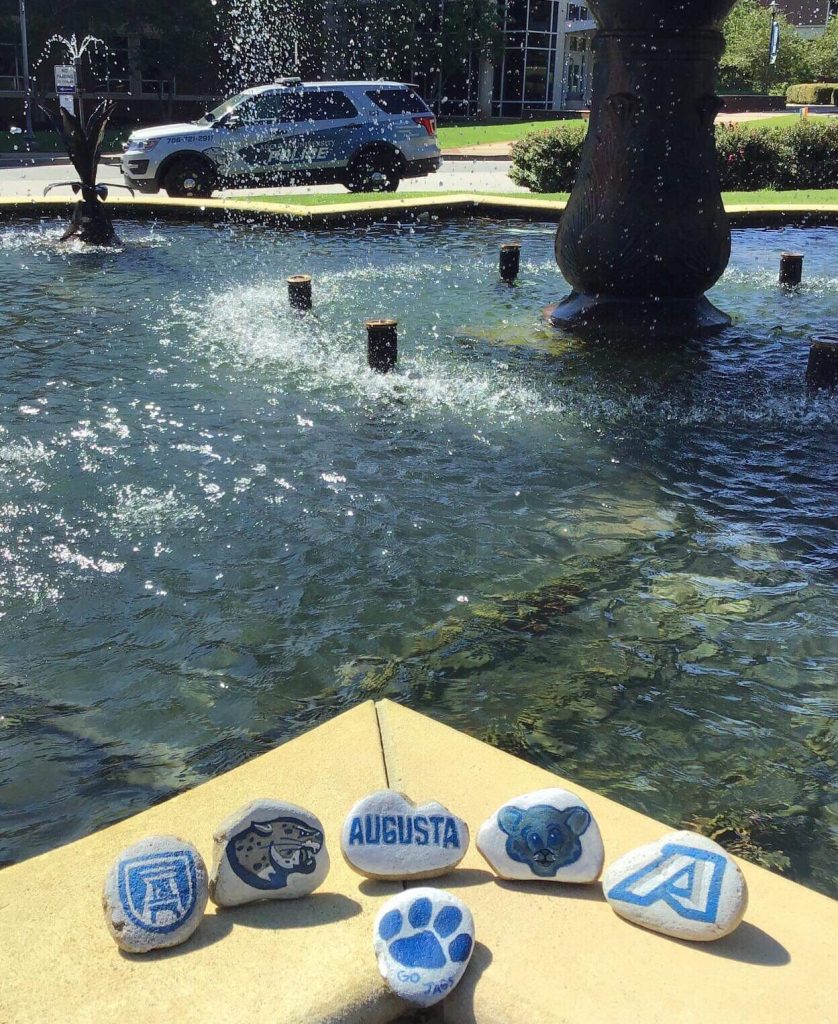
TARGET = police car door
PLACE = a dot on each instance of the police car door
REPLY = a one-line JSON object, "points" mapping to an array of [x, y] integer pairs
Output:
{"points": [[254, 136], [322, 127]]}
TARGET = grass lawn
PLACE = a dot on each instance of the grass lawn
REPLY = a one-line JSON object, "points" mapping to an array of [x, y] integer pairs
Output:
{"points": [[49, 142], [348, 198], [780, 121], [479, 134]]}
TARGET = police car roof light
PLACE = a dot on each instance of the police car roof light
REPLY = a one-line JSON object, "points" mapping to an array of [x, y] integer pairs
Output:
{"points": [[288, 81]]}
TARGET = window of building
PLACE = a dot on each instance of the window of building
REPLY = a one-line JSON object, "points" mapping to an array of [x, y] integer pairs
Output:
{"points": [[11, 77], [108, 67]]}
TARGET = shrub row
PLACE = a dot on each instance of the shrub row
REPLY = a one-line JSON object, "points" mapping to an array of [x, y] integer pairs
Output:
{"points": [[817, 93], [799, 156]]}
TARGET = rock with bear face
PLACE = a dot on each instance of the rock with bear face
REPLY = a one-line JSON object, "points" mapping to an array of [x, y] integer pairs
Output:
{"points": [[268, 850], [549, 835]]}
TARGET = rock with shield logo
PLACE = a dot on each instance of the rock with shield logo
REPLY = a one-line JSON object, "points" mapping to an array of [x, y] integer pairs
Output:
{"points": [[268, 850], [155, 894]]}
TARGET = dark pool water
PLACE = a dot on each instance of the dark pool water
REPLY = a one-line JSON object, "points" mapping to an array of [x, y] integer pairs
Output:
{"points": [[217, 526]]}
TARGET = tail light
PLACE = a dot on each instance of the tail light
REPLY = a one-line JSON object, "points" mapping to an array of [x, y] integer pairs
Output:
{"points": [[428, 123]]}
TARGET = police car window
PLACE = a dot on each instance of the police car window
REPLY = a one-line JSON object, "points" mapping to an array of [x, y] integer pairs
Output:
{"points": [[398, 101], [265, 107], [317, 106]]}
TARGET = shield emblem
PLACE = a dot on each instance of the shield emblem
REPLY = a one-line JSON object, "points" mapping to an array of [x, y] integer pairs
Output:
{"points": [[159, 891]]}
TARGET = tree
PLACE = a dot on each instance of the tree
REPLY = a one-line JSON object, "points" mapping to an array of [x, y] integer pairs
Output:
{"points": [[746, 65], [824, 54]]}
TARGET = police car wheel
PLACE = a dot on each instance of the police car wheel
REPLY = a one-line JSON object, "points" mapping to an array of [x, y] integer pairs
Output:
{"points": [[188, 179], [375, 172]]}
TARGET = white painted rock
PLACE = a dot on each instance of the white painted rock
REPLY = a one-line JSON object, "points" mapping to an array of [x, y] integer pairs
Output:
{"points": [[684, 885], [549, 835], [155, 894], [387, 836], [423, 939], [268, 850]]}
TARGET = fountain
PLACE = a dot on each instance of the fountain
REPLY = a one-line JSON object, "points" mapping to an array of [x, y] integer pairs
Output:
{"points": [[90, 220], [645, 234]]}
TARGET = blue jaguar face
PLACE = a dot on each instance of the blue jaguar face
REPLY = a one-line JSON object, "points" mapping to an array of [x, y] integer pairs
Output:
{"points": [[543, 837], [267, 852]]}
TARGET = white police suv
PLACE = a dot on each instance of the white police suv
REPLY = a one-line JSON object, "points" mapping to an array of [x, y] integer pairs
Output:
{"points": [[364, 135]]}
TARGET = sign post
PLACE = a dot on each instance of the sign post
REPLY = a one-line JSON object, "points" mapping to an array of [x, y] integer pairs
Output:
{"points": [[65, 86]]}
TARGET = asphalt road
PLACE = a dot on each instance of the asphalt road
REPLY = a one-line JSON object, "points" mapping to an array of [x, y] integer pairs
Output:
{"points": [[461, 176]]}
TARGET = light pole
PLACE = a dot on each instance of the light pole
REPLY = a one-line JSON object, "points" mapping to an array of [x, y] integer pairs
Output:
{"points": [[27, 90]]}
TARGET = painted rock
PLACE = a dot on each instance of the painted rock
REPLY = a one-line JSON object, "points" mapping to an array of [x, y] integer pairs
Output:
{"points": [[548, 835], [684, 885], [268, 850], [155, 894], [423, 939], [387, 836]]}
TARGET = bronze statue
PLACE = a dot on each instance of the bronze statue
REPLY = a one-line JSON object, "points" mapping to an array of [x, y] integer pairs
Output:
{"points": [[90, 220], [645, 234]]}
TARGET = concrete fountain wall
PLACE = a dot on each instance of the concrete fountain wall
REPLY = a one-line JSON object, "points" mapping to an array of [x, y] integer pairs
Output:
{"points": [[555, 953]]}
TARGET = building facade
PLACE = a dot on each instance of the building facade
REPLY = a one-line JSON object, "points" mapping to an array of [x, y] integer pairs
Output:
{"points": [[546, 59], [809, 17]]}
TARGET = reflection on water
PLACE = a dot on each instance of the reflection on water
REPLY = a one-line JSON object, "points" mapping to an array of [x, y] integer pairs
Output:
{"points": [[218, 526]]}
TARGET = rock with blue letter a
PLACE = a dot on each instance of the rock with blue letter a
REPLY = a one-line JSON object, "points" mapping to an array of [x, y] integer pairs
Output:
{"points": [[548, 835], [684, 885], [423, 940], [387, 836], [155, 894], [268, 850]]}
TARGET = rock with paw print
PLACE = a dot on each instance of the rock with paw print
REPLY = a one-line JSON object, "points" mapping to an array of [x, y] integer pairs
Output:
{"points": [[423, 939]]}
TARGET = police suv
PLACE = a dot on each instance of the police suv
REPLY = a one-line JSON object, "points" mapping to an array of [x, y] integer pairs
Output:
{"points": [[364, 135]]}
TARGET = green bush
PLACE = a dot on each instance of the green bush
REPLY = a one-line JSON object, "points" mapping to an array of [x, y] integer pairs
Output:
{"points": [[812, 162], [816, 93], [803, 155], [548, 161], [748, 159]]}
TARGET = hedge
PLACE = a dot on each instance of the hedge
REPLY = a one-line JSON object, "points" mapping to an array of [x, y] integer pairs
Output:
{"points": [[817, 93], [800, 156]]}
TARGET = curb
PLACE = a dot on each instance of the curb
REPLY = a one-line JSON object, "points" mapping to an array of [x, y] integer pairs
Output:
{"points": [[32, 160], [395, 211], [452, 157]]}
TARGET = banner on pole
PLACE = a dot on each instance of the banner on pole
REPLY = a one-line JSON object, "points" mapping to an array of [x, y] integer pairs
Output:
{"points": [[774, 48]]}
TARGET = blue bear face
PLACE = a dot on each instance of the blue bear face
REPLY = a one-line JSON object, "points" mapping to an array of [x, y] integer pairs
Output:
{"points": [[543, 837]]}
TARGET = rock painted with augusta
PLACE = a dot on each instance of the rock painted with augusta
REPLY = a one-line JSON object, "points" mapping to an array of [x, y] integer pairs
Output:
{"points": [[684, 885], [268, 850], [155, 894], [548, 835], [385, 835], [423, 939]]}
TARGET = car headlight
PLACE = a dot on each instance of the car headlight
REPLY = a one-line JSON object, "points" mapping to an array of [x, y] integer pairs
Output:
{"points": [[142, 145]]}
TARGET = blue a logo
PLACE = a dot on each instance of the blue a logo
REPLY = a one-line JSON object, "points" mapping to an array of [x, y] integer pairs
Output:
{"points": [[159, 891], [688, 880]]}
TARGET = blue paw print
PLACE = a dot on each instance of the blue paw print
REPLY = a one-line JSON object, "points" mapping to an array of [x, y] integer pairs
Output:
{"points": [[425, 949]]}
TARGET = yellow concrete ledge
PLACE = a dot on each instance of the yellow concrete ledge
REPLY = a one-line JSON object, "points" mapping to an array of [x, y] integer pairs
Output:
{"points": [[517, 206], [545, 953]]}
